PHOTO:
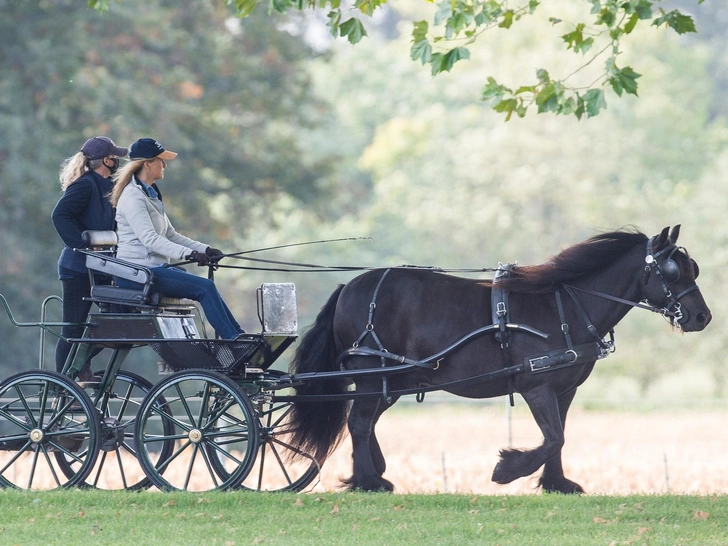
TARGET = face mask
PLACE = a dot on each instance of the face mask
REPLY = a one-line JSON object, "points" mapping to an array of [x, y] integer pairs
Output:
{"points": [[115, 164]]}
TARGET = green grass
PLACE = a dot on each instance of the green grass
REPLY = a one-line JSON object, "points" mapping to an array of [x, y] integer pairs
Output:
{"points": [[97, 517]]}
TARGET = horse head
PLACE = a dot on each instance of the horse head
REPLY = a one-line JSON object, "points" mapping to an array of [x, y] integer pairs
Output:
{"points": [[669, 282]]}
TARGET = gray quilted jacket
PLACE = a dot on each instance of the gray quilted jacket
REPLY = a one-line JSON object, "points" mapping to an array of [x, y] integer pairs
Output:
{"points": [[146, 236]]}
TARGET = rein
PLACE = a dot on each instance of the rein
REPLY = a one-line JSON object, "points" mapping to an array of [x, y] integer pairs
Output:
{"points": [[659, 310]]}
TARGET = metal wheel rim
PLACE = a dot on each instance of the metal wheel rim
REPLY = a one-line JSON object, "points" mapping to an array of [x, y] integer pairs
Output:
{"points": [[43, 413], [218, 412], [119, 461]]}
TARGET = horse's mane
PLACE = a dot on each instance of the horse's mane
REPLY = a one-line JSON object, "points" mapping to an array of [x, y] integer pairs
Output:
{"points": [[572, 263]]}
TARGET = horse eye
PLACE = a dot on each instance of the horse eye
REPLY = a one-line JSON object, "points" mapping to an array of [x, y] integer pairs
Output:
{"points": [[696, 269]]}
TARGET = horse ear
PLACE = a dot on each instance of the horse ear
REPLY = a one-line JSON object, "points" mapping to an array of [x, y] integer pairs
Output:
{"points": [[674, 234], [662, 239]]}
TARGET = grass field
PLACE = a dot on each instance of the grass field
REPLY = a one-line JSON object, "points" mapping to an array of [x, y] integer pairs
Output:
{"points": [[229, 519], [440, 459]]}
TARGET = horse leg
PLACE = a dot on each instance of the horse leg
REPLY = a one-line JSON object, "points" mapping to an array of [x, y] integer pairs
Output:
{"points": [[553, 478], [380, 465], [516, 463], [366, 454]]}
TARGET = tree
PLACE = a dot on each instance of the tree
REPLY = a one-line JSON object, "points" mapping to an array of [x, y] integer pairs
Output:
{"points": [[233, 100], [443, 39]]}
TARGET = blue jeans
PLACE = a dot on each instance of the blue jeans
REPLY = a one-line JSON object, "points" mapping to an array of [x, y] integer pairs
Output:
{"points": [[177, 283]]}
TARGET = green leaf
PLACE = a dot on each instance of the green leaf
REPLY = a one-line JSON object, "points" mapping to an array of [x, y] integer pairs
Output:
{"points": [[421, 50], [493, 90], [457, 23], [507, 19], [549, 98], [353, 29], [278, 5], [443, 63], [606, 17], [679, 22], [644, 9], [334, 17], [584, 46], [243, 8], [99, 5], [367, 7], [532, 5], [624, 80], [419, 31], [629, 26], [574, 37], [594, 101], [444, 11], [543, 76]]}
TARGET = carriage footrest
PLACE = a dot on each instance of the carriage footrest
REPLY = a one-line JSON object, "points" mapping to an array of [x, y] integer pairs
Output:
{"points": [[252, 351]]}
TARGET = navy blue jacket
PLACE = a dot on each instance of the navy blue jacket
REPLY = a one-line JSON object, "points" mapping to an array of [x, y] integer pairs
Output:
{"points": [[82, 206]]}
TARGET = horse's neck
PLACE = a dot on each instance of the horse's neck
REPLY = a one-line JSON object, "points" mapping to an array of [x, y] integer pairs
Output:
{"points": [[622, 279]]}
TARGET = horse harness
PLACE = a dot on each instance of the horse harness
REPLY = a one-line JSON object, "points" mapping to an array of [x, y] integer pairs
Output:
{"points": [[556, 358], [570, 355]]}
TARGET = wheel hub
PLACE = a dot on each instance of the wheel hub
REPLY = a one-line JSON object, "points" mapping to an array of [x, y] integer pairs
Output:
{"points": [[112, 434], [195, 436], [36, 435]]}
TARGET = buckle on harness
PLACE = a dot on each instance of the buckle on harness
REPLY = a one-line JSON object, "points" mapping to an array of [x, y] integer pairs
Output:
{"points": [[539, 363], [501, 309]]}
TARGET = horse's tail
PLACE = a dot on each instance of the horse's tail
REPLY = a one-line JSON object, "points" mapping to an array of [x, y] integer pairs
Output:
{"points": [[318, 427]]}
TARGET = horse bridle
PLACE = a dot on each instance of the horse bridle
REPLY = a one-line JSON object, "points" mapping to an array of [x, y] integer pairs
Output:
{"points": [[669, 272]]}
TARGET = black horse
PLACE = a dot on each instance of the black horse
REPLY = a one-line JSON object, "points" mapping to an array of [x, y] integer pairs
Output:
{"points": [[555, 311]]}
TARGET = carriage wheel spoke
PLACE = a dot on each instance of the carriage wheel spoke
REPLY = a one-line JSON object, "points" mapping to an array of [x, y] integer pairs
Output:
{"points": [[195, 448], [210, 471], [184, 403], [100, 466], [121, 469], [10, 417], [173, 456], [28, 411], [158, 410]]}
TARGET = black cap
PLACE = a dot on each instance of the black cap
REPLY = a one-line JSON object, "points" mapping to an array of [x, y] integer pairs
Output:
{"points": [[148, 148], [100, 147]]}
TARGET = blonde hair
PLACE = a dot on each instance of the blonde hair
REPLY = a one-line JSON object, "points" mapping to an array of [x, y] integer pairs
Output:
{"points": [[72, 169], [122, 178], [75, 167]]}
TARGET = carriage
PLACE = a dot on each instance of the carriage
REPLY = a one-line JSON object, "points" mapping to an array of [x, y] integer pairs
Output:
{"points": [[221, 417]]}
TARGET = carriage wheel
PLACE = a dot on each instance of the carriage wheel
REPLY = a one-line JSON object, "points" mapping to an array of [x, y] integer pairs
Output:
{"points": [[208, 414], [278, 465], [44, 414], [117, 466]]}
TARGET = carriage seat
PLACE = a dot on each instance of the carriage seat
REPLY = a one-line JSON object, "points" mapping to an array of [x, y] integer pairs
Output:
{"points": [[101, 247]]}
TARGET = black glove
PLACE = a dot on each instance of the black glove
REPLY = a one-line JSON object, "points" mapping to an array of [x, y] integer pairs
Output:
{"points": [[214, 254], [198, 257]]}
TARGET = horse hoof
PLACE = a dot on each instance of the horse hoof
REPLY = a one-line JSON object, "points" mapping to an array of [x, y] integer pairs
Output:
{"points": [[501, 475], [565, 487], [372, 486]]}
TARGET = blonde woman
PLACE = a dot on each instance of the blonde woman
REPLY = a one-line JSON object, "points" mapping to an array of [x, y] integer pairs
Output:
{"points": [[85, 183], [147, 237]]}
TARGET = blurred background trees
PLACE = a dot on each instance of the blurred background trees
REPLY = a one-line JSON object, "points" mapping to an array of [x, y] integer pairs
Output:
{"points": [[287, 136]]}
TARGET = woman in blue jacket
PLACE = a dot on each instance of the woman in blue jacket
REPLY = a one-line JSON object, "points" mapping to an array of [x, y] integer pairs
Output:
{"points": [[147, 237], [85, 183]]}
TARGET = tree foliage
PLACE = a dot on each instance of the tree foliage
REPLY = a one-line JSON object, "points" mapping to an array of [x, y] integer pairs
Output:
{"points": [[232, 100], [445, 39]]}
